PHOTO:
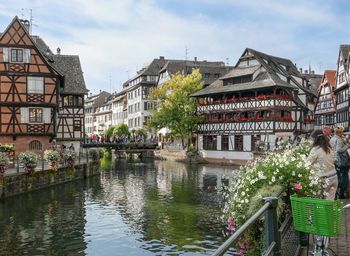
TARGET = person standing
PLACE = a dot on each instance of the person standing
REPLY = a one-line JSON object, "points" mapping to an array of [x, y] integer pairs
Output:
{"points": [[340, 148], [323, 155]]}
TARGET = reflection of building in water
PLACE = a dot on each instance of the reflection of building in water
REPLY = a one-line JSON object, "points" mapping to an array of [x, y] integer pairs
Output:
{"points": [[31, 224], [167, 172], [213, 178]]}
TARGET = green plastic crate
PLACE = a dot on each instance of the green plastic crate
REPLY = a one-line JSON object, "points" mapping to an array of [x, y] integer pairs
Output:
{"points": [[316, 216]]}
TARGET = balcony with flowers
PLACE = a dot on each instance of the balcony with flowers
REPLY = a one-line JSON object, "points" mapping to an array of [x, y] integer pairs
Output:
{"points": [[236, 98], [309, 120], [249, 117]]}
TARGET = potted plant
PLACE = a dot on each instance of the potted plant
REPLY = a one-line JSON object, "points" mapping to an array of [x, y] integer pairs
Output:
{"points": [[69, 158], [29, 160], [4, 161], [53, 158]]}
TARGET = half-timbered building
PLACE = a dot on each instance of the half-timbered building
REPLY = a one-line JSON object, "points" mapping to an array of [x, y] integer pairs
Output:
{"points": [[262, 99], [342, 87], [326, 101], [71, 119], [38, 89], [29, 91]]}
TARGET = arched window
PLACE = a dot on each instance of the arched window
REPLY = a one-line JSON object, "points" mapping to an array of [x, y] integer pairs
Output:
{"points": [[35, 145]]}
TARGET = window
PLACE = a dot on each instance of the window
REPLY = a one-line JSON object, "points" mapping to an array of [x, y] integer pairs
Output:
{"points": [[35, 145], [209, 142], [225, 142], [77, 125], [35, 115], [216, 75], [16, 55], [35, 84], [238, 142], [206, 75], [242, 79]]}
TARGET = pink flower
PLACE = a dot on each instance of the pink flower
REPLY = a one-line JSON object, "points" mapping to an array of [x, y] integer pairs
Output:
{"points": [[230, 225], [298, 186]]}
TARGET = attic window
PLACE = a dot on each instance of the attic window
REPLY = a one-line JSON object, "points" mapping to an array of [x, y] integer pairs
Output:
{"points": [[16, 55], [242, 79]]}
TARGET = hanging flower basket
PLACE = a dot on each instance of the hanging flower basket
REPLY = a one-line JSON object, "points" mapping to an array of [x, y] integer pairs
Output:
{"points": [[29, 161], [53, 158]]}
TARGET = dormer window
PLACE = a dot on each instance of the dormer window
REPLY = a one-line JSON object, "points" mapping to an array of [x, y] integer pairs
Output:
{"points": [[16, 55], [242, 79]]}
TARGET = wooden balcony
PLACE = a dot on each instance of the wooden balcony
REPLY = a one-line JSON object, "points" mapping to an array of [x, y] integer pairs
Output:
{"points": [[246, 127], [253, 104]]}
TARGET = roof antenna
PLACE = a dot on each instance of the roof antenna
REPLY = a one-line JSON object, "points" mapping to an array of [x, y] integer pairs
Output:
{"points": [[227, 61]]}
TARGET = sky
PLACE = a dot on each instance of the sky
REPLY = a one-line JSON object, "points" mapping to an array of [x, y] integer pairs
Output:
{"points": [[115, 38]]}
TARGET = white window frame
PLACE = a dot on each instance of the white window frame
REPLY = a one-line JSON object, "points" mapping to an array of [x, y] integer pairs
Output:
{"points": [[35, 84]]}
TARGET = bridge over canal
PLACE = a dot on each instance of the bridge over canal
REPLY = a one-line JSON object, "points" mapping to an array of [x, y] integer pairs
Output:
{"points": [[142, 149]]}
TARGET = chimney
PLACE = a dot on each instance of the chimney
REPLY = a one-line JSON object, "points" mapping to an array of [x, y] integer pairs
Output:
{"points": [[301, 70], [26, 24], [58, 50], [161, 57], [305, 71], [195, 58], [313, 72]]}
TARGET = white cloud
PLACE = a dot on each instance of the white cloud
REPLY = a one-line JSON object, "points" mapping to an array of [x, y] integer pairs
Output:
{"points": [[113, 37]]}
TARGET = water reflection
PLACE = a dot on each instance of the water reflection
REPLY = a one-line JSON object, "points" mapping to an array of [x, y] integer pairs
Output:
{"points": [[138, 208]]}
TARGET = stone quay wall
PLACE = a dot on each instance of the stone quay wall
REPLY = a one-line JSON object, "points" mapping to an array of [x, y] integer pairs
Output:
{"points": [[12, 185]]}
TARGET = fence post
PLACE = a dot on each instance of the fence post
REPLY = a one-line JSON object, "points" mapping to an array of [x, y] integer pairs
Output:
{"points": [[271, 226]]}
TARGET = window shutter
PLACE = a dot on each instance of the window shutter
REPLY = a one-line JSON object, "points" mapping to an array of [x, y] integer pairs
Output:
{"points": [[24, 115], [47, 115], [27, 55], [6, 54]]}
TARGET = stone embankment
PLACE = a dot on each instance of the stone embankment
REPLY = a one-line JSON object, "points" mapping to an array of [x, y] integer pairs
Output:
{"points": [[18, 183]]}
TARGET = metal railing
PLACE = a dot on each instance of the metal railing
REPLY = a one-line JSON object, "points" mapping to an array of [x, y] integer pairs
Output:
{"points": [[272, 236]]}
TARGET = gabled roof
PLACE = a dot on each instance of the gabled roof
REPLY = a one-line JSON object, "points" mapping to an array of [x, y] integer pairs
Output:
{"points": [[271, 70], [69, 66], [344, 50], [185, 66]]}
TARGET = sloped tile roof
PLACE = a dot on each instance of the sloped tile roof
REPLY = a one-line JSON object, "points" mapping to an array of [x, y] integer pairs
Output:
{"points": [[69, 66]]}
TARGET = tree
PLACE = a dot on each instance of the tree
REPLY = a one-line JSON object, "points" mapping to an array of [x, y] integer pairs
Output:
{"points": [[121, 129], [175, 108], [109, 132]]}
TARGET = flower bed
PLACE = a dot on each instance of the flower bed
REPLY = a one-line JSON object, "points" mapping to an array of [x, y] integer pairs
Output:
{"points": [[264, 177]]}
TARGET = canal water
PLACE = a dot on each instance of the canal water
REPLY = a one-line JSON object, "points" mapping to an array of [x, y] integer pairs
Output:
{"points": [[133, 208]]}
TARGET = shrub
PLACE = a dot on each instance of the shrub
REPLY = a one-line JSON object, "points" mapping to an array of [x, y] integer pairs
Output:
{"points": [[94, 154], [253, 181], [29, 160], [100, 153], [7, 147]]}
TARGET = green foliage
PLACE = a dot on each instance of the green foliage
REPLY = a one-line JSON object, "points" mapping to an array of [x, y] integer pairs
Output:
{"points": [[100, 153], [107, 153], [121, 129], [140, 132], [263, 177], [4, 161], [94, 154], [29, 160], [106, 164], [109, 132], [7, 147], [175, 106], [52, 156]]}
